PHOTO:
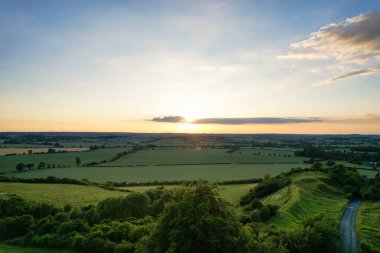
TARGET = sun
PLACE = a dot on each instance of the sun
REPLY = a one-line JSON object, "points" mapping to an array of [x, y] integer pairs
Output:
{"points": [[191, 111]]}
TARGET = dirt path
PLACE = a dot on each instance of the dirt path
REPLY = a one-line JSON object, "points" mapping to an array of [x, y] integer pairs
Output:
{"points": [[349, 241]]}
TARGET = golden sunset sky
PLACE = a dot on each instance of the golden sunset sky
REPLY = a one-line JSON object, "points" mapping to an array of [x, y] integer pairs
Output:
{"points": [[190, 66]]}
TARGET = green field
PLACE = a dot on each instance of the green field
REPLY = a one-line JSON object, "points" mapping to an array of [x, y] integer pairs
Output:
{"points": [[58, 194], [8, 163], [79, 195], [308, 194], [212, 173], [14, 249], [231, 193], [368, 224], [208, 156]]}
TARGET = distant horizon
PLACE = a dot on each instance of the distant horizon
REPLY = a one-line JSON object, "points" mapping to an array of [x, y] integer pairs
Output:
{"points": [[184, 133]]}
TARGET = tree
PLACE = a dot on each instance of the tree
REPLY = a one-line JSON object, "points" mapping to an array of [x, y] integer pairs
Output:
{"points": [[77, 161], [41, 165], [29, 166], [197, 221], [20, 167]]}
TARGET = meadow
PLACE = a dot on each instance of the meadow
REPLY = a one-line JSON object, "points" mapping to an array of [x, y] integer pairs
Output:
{"points": [[309, 193], [8, 163], [231, 193], [368, 224], [58, 194], [208, 156], [211, 172]]}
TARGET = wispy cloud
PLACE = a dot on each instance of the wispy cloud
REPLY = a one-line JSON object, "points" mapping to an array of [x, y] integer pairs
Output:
{"points": [[368, 71], [352, 42], [306, 56], [169, 119]]}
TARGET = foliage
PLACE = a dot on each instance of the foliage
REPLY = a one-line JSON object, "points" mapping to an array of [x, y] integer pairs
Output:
{"points": [[264, 188]]}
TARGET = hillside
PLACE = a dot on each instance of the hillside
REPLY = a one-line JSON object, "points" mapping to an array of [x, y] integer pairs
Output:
{"points": [[309, 193], [368, 224]]}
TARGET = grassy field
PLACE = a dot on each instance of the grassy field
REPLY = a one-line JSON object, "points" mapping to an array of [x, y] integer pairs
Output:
{"points": [[79, 195], [8, 163], [14, 249], [308, 194], [368, 224], [58, 194], [4, 151], [214, 172], [208, 156], [231, 193]]}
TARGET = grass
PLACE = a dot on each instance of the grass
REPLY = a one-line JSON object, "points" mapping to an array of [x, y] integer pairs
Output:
{"points": [[231, 193], [212, 173], [207, 156], [4, 248], [8, 163], [58, 194], [79, 195], [368, 224], [309, 193]]}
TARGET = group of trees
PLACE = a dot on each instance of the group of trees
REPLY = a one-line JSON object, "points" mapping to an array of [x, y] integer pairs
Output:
{"points": [[187, 219], [41, 165], [356, 155], [354, 184]]}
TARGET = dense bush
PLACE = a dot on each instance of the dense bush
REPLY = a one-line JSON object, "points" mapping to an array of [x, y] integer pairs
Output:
{"points": [[264, 188], [134, 205]]}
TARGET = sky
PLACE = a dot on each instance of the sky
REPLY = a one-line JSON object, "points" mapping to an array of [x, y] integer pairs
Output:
{"points": [[190, 66]]}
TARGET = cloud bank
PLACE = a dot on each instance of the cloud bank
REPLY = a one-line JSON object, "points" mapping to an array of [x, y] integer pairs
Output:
{"points": [[169, 119], [236, 121]]}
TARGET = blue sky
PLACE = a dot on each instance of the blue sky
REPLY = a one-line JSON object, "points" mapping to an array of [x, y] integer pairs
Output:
{"points": [[74, 65]]}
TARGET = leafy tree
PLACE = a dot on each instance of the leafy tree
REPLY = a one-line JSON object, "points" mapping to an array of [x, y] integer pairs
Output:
{"points": [[77, 161], [197, 221], [20, 167], [41, 165], [29, 166]]}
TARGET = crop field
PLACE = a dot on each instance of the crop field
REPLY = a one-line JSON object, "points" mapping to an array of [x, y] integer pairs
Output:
{"points": [[58, 194], [368, 224], [212, 172], [309, 193], [8, 163], [208, 156]]}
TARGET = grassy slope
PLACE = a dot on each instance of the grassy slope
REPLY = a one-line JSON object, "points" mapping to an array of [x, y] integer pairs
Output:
{"points": [[205, 156], [368, 224], [216, 172], [308, 194], [231, 193], [8, 163], [58, 194], [14, 249]]}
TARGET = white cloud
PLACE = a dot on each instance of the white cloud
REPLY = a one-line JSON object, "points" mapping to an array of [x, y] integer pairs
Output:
{"points": [[353, 42]]}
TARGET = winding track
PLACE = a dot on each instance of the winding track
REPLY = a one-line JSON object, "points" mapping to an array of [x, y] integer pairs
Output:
{"points": [[349, 241]]}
